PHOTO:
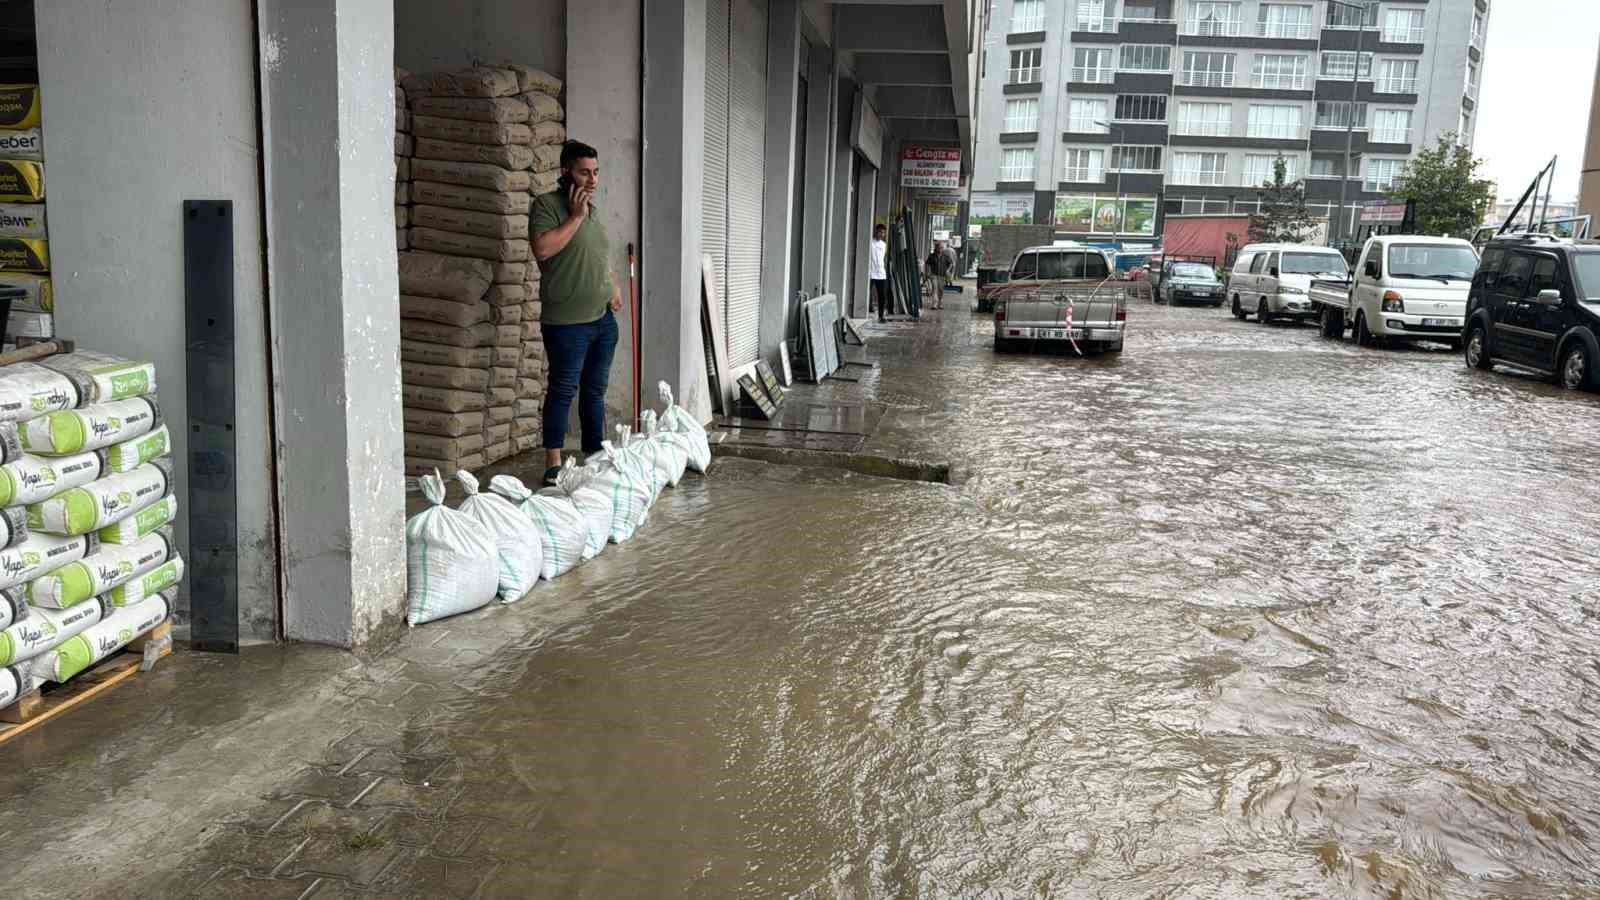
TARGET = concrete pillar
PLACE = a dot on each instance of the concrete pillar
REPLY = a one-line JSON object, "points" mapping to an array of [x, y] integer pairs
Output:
{"points": [[327, 83], [672, 174], [839, 221], [819, 170], [784, 47], [1589, 183], [866, 194]]}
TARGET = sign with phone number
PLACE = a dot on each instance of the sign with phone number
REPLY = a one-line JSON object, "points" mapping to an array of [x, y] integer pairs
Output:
{"points": [[930, 167]]}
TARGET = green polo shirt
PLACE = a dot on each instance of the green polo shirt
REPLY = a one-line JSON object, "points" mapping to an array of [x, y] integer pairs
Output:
{"points": [[573, 284]]}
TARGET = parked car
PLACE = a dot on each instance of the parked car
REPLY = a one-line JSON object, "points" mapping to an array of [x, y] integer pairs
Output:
{"points": [[1406, 287], [1058, 295], [1534, 304], [1191, 282], [1273, 281]]}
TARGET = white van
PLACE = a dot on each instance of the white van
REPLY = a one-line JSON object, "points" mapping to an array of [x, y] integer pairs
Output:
{"points": [[1273, 281]]}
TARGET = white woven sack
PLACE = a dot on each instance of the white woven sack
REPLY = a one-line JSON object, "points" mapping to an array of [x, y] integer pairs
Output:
{"points": [[560, 526], [677, 419], [668, 451], [573, 485], [450, 560], [518, 551], [627, 487], [629, 452]]}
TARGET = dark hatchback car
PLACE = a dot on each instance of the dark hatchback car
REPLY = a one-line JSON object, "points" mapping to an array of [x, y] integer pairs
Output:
{"points": [[1535, 305], [1190, 282]]}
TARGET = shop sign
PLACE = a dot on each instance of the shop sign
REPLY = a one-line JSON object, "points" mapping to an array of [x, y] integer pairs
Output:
{"points": [[999, 209], [866, 132], [944, 207], [1383, 212], [930, 167]]}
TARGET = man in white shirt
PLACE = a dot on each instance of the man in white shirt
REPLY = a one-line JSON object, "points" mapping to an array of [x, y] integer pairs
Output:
{"points": [[878, 270]]}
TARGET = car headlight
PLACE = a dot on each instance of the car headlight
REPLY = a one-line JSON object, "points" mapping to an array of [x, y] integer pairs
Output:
{"points": [[1393, 302], [1289, 289]]}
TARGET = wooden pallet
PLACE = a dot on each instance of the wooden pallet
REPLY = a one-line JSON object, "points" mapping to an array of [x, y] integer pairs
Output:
{"points": [[38, 707]]}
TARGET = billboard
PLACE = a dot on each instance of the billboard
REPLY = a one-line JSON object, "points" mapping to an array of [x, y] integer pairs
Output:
{"points": [[1107, 215]]}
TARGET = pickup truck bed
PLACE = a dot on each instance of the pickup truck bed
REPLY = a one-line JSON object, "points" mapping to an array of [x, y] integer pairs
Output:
{"points": [[1041, 311]]}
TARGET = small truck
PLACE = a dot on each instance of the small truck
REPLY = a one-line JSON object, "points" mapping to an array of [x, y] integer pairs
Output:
{"points": [[1404, 287]]}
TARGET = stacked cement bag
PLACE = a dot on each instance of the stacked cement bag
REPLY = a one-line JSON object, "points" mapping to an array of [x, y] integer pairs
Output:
{"points": [[449, 351], [86, 508], [402, 160], [476, 150], [24, 241]]}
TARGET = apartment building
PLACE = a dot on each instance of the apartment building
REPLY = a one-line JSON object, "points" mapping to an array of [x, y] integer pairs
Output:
{"points": [[1106, 116]]}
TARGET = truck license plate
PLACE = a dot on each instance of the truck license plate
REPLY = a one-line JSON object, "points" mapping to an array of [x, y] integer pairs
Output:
{"points": [[1440, 323], [1061, 334]]}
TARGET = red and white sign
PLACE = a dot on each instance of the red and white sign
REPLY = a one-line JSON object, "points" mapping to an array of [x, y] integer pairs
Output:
{"points": [[930, 167]]}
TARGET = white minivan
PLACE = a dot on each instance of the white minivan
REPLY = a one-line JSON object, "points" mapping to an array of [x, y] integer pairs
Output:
{"points": [[1273, 281]]}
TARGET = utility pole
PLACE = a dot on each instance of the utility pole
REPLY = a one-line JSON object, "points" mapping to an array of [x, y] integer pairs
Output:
{"points": [[1350, 123]]}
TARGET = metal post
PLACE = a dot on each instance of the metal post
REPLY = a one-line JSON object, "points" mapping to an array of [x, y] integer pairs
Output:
{"points": [[1350, 124], [1117, 133]]}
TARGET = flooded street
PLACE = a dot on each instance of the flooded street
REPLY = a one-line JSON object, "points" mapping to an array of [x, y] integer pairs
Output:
{"points": [[1244, 612]]}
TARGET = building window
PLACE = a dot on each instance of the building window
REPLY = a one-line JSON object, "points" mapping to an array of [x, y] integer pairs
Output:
{"points": [[1397, 76], [1085, 165], [1022, 115], [1340, 113], [1085, 116], [1090, 66], [1477, 30], [1281, 123], [1205, 119], [1202, 69], [1026, 16], [1402, 26], [1340, 64], [1146, 58], [1134, 11], [1017, 164], [1092, 17], [1280, 20], [1471, 85], [1136, 159], [1279, 73], [1343, 15], [1025, 67], [1142, 108], [1326, 166], [1259, 167], [1381, 174], [1464, 135], [1212, 18], [1391, 126], [1199, 168]]}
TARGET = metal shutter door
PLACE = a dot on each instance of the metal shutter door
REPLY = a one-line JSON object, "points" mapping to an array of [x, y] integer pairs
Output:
{"points": [[714, 194], [746, 161]]}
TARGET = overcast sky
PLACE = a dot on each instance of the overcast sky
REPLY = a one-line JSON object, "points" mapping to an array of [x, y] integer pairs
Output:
{"points": [[1534, 97]]}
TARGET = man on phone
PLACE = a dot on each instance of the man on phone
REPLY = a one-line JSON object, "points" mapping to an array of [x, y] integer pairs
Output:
{"points": [[580, 297]]}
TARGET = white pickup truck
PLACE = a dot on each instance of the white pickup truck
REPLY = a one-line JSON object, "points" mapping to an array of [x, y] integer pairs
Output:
{"points": [[1405, 287]]}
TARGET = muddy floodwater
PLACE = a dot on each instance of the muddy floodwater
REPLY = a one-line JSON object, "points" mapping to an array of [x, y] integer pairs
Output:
{"points": [[1245, 612]]}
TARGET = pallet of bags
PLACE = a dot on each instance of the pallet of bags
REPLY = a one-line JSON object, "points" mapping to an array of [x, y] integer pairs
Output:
{"points": [[447, 351]]}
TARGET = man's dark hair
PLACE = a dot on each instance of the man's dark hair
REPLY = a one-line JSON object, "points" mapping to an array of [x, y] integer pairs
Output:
{"points": [[572, 151], [879, 227]]}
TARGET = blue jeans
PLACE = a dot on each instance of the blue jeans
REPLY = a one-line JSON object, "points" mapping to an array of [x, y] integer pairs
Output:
{"points": [[580, 364]]}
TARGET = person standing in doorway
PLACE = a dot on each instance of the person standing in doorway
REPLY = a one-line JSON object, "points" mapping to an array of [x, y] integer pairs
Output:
{"points": [[581, 299], [878, 270]]}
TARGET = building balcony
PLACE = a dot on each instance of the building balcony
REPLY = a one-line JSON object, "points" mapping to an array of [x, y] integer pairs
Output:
{"points": [[1402, 35], [1088, 75], [1395, 86], [1205, 79]]}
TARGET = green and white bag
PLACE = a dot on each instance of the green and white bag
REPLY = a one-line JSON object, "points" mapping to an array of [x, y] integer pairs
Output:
{"points": [[118, 629], [114, 566], [130, 455], [13, 527], [162, 512], [28, 390], [34, 478], [101, 377], [100, 503], [46, 629], [76, 430], [149, 584], [42, 553], [13, 684], [12, 609]]}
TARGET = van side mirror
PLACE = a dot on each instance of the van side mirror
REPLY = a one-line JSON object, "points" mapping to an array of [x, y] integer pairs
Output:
{"points": [[1550, 297], [1372, 268]]}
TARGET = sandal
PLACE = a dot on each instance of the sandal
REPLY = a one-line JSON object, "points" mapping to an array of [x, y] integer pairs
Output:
{"points": [[550, 476]]}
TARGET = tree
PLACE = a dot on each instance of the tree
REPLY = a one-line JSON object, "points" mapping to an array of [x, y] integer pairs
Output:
{"points": [[1283, 216], [1447, 195]]}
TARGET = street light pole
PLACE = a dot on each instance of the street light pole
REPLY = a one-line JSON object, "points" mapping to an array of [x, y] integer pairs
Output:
{"points": [[1117, 142], [1350, 119]]}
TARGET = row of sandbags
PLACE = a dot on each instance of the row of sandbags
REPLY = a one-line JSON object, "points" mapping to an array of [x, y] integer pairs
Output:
{"points": [[502, 542]]}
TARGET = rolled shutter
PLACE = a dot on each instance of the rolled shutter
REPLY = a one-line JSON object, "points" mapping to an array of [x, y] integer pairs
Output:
{"points": [[746, 167], [714, 193]]}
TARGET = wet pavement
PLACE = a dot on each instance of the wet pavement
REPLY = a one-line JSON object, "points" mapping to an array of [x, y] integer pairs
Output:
{"points": [[1240, 613]]}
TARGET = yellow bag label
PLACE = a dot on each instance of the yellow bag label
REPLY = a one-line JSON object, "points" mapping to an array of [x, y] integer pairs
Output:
{"points": [[24, 255], [19, 106], [21, 181], [41, 297]]}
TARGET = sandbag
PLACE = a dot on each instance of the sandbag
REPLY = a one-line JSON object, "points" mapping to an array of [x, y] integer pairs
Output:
{"points": [[463, 81], [456, 378], [100, 503], [512, 273], [464, 221], [549, 133], [505, 356], [469, 132], [425, 353], [506, 295], [546, 158], [445, 277], [499, 396], [414, 396], [677, 419], [506, 315], [476, 109], [112, 633], [478, 175], [524, 443], [619, 478], [422, 465], [161, 578], [34, 478], [502, 376], [531, 79], [506, 156], [530, 387], [468, 245], [631, 450], [432, 446], [450, 559], [28, 390], [42, 553], [575, 485], [530, 366], [101, 377], [479, 335], [542, 108], [509, 336], [142, 523], [112, 567], [560, 526], [525, 416], [667, 451], [498, 433], [443, 424], [45, 629], [445, 312], [496, 452], [455, 196], [75, 430], [519, 554]]}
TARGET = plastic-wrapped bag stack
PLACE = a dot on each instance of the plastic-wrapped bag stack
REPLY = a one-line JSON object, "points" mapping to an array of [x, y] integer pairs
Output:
{"points": [[86, 505], [24, 240], [402, 160]]}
